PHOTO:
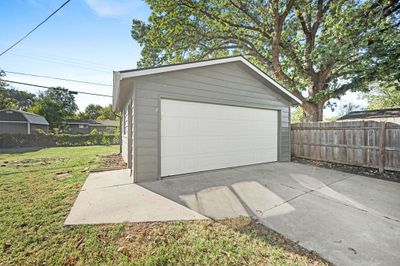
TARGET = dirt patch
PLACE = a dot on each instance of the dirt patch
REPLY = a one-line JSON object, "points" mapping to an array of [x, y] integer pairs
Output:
{"points": [[62, 176], [31, 162], [110, 162], [358, 170], [137, 237]]}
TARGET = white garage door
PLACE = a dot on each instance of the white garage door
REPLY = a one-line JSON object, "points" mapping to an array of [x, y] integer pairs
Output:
{"points": [[199, 136]]}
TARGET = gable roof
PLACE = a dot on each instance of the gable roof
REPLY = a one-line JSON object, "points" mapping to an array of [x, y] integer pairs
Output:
{"points": [[395, 112], [30, 117], [124, 74]]}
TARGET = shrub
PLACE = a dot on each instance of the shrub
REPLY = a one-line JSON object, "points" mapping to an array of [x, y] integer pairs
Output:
{"points": [[51, 139]]}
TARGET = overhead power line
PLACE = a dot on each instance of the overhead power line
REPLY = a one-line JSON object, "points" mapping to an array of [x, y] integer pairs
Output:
{"points": [[35, 28], [57, 78], [52, 88], [60, 61]]}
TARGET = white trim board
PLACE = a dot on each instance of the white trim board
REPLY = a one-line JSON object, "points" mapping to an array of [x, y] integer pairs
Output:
{"points": [[19, 122], [120, 75]]}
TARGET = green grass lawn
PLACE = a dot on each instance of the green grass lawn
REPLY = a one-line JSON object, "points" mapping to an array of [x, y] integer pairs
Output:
{"points": [[34, 204]]}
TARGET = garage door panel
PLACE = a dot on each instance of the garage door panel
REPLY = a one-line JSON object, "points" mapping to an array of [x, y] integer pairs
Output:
{"points": [[198, 136]]}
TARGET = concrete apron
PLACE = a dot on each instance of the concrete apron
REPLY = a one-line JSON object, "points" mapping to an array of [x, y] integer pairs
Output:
{"points": [[347, 219], [110, 197]]}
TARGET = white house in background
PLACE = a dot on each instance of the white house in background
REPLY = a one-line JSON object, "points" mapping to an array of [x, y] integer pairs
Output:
{"points": [[20, 122], [200, 116]]}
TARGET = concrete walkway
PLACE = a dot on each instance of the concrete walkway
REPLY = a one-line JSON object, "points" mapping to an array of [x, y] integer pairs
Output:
{"points": [[110, 197]]}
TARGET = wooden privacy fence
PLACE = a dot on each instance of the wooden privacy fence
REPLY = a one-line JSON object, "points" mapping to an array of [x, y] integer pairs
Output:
{"points": [[363, 143]]}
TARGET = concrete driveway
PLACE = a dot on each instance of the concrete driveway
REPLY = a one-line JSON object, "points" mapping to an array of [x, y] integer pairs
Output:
{"points": [[347, 219]]}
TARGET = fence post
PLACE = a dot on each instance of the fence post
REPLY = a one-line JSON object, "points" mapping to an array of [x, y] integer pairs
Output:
{"points": [[382, 147]]}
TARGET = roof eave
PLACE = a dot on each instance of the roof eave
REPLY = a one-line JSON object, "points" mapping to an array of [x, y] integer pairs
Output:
{"points": [[118, 76]]}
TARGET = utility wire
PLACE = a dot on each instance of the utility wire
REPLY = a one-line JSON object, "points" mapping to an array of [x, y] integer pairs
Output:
{"points": [[63, 60], [57, 78], [52, 88], [75, 65], [35, 28]]}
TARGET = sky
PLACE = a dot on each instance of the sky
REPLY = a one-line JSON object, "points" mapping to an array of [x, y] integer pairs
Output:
{"points": [[86, 40]]}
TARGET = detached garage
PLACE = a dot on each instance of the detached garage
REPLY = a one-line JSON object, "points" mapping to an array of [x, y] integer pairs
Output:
{"points": [[201, 116]]}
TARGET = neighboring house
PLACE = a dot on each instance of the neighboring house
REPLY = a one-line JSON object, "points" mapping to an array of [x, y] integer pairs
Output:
{"points": [[201, 116], [20, 122], [86, 126], [384, 115]]}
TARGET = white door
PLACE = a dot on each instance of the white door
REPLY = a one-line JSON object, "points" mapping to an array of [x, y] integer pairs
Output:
{"points": [[199, 136]]}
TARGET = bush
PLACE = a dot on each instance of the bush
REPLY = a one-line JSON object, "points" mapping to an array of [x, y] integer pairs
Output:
{"points": [[51, 140]]}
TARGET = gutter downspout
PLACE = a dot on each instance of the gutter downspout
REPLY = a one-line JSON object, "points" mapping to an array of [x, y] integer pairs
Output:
{"points": [[29, 128]]}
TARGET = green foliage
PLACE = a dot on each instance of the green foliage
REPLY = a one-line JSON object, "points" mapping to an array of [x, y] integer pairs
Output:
{"points": [[331, 119], [318, 49], [296, 115], [92, 111], [7, 103], [42, 139], [55, 105], [383, 97], [106, 113], [94, 138], [97, 112], [11, 98]]}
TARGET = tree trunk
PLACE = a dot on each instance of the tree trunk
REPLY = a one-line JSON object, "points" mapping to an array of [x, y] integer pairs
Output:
{"points": [[313, 112]]}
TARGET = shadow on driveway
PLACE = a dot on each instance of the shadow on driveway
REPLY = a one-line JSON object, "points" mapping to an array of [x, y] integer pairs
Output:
{"points": [[347, 219]]}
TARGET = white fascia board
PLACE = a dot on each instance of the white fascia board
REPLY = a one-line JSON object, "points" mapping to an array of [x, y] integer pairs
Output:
{"points": [[19, 122], [164, 69], [118, 76]]}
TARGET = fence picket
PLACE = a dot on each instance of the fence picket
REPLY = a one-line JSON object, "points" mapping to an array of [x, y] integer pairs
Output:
{"points": [[363, 143]]}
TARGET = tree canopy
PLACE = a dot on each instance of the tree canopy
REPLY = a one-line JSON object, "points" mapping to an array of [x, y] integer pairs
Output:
{"points": [[318, 49], [11, 98], [92, 111], [383, 97], [97, 112], [55, 105], [108, 113]]}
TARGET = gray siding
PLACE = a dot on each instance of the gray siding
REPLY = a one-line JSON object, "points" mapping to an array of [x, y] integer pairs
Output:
{"points": [[230, 84], [13, 128], [133, 134]]}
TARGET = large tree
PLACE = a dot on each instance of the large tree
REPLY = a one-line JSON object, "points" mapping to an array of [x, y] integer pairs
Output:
{"points": [[318, 49], [11, 98], [107, 113], [56, 105], [92, 111]]}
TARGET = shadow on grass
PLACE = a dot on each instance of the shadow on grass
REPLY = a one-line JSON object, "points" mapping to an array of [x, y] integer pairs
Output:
{"points": [[19, 150], [255, 229]]}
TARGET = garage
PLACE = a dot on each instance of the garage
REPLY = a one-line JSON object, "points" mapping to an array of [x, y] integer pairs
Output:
{"points": [[199, 136], [201, 116]]}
